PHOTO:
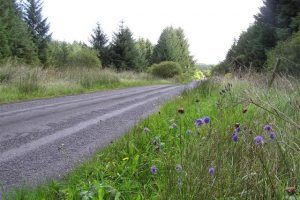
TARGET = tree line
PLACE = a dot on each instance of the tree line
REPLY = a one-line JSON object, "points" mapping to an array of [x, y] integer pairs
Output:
{"points": [[25, 37], [274, 34]]}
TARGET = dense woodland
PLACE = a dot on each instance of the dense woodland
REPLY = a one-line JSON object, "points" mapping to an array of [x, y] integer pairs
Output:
{"points": [[274, 35], [25, 38]]}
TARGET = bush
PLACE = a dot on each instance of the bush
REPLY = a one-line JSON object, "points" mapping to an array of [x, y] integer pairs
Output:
{"points": [[289, 53], [85, 57], [166, 69]]}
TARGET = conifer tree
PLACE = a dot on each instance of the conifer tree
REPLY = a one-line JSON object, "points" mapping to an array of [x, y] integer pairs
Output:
{"points": [[99, 43], [14, 36], [123, 49], [38, 27]]}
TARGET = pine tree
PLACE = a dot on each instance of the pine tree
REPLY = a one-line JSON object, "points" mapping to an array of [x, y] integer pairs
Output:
{"points": [[99, 43], [123, 50], [38, 26], [14, 36]]}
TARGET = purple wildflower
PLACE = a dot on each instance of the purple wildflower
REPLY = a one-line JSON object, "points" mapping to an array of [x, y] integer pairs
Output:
{"points": [[267, 127], [178, 168], [235, 137], [206, 120], [146, 130], [272, 135], [199, 122], [179, 182], [259, 140], [153, 169], [212, 171], [238, 129], [173, 126], [189, 132]]}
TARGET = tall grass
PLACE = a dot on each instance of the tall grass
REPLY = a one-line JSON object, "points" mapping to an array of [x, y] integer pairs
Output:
{"points": [[168, 156], [21, 82]]}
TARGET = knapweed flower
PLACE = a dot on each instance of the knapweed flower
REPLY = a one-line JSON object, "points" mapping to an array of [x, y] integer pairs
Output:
{"points": [[146, 130], [179, 182], [206, 120], [153, 169], [173, 126], [235, 137], [178, 168], [272, 135], [238, 129], [212, 171], [259, 140], [267, 127], [199, 122]]}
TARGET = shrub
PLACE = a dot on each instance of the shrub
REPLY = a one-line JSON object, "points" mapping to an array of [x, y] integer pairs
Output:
{"points": [[85, 57], [166, 69], [289, 53]]}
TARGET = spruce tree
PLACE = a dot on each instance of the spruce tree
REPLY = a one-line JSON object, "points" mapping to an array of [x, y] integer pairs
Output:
{"points": [[14, 36], [123, 50], [99, 43], [38, 27]]}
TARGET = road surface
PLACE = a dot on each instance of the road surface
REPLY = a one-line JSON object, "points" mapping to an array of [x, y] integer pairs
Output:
{"points": [[44, 139]]}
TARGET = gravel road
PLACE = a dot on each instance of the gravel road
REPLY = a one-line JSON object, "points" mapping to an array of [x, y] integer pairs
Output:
{"points": [[44, 139]]}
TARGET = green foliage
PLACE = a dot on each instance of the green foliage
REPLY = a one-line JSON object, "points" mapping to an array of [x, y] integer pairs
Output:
{"points": [[83, 57], [14, 36], [173, 46], [62, 54], [275, 22], [145, 50], [166, 69], [38, 27], [28, 82], [223, 67], [99, 43], [123, 51], [289, 53]]}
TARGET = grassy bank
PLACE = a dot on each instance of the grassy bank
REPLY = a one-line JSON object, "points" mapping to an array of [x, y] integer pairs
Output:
{"points": [[23, 83], [229, 154]]}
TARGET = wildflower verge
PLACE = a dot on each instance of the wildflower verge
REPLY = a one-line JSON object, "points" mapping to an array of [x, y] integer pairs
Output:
{"points": [[212, 142]]}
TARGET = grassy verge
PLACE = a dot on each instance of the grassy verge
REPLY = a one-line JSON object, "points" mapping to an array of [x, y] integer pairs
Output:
{"points": [[24, 83], [168, 156]]}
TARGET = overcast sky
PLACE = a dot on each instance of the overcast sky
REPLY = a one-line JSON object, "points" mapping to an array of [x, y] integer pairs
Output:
{"points": [[209, 25]]}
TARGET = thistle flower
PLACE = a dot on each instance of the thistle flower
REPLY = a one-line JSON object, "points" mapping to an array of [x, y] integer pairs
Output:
{"points": [[267, 127], [199, 122], [212, 171], [153, 169], [146, 130], [259, 140], [178, 168], [235, 137], [206, 120], [272, 135]]}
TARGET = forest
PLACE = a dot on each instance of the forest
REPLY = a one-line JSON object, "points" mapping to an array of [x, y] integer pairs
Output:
{"points": [[274, 35]]}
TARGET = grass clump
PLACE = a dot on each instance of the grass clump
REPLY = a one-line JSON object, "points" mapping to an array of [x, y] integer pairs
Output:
{"points": [[23, 83], [226, 139]]}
